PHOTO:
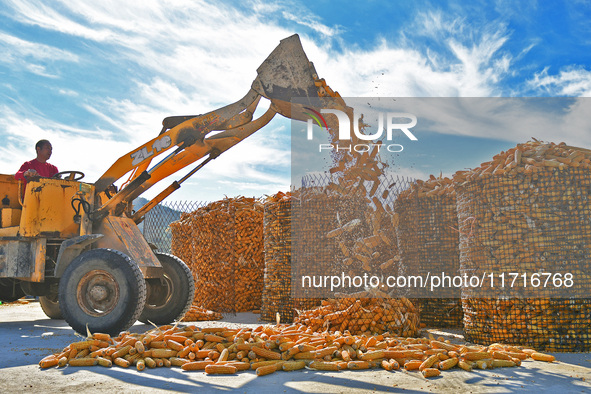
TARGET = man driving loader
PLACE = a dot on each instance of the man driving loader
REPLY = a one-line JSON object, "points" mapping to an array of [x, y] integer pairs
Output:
{"points": [[39, 165], [78, 244]]}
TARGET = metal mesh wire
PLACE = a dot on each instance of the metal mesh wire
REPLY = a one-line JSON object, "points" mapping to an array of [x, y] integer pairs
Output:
{"points": [[222, 243], [157, 221], [428, 242], [371, 247], [342, 232], [360, 315], [528, 224], [316, 254], [277, 295], [351, 234]]}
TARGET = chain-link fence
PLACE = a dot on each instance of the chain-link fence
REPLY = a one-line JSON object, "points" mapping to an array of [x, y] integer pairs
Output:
{"points": [[157, 221]]}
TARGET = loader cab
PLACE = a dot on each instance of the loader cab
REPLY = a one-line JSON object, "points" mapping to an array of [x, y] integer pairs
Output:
{"points": [[34, 225], [11, 206], [54, 208], [48, 207]]}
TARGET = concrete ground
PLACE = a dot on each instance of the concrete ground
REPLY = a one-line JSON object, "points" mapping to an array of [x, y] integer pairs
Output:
{"points": [[27, 335]]}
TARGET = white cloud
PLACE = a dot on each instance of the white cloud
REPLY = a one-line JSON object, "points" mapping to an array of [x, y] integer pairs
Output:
{"points": [[508, 119], [18, 54], [73, 148], [516, 10], [18, 47], [39, 70], [212, 51], [206, 47], [467, 61], [38, 13], [68, 92], [190, 57], [570, 81], [434, 23], [312, 22]]}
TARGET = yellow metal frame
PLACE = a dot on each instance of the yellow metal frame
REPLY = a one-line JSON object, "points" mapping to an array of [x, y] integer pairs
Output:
{"points": [[49, 205], [285, 74], [47, 208]]}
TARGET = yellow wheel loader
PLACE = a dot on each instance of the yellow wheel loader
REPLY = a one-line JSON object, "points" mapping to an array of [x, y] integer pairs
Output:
{"points": [[77, 245]]}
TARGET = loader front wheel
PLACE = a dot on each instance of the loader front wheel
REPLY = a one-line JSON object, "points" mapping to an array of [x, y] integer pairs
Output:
{"points": [[51, 306], [171, 296], [103, 289]]}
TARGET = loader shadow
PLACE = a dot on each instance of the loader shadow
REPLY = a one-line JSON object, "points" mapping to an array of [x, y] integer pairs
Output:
{"points": [[160, 378], [529, 378], [197, 381], [26, 343], [328, 382]]}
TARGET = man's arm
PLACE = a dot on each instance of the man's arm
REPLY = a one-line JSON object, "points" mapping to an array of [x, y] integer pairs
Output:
{"points": [[25, 170]]}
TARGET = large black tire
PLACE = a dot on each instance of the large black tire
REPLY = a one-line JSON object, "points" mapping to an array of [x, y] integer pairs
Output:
{"points": [[103, 288], [10, 290], [168, 300], [51, 306]]}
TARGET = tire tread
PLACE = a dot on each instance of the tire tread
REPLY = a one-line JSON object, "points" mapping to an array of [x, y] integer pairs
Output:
{"points": [[123, 324]]}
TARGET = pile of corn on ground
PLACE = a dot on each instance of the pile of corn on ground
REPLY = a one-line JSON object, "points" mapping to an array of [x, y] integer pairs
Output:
{"points": [[270, 348]]}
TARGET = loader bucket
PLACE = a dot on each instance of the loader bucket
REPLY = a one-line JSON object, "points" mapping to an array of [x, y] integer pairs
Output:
{"points": [[285, 74]]}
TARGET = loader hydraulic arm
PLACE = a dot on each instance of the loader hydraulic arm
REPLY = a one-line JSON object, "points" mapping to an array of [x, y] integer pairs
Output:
{"points": [[285, 74]]}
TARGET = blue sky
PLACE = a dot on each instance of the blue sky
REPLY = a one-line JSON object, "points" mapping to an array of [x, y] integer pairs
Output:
{"points": [[97, 77]]}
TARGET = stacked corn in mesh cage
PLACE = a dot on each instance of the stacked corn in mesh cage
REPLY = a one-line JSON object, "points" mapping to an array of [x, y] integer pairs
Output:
{"points": [[222, 243], [359, 242], [525, 215], [337, 234], [278, 301], [427, 236]]}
